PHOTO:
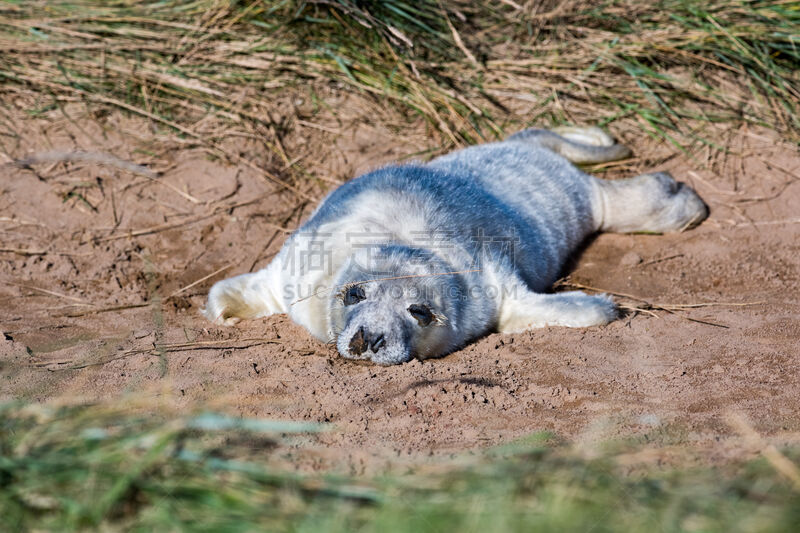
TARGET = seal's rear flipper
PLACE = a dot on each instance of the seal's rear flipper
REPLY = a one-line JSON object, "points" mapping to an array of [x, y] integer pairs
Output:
{"points": [[578, 145], [649, 203], [245, 296], [573, 309]]}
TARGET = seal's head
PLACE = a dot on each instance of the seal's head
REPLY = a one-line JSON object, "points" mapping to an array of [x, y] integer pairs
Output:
{"points": [[395, 304]]}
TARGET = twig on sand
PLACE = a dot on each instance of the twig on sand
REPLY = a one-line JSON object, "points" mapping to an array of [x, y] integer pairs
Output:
{"points": [[660, 259], [648, 307], [790, 173], [23, 251], [152, 229], [763, 222], [80, 301], [638, 309], [106, 309], [29, 252], [739, 423], [201, 280], [96, 310], [101, 158], [173, 225], [159, 349]]}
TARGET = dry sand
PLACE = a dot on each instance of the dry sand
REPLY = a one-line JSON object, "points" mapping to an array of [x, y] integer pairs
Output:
{"points": [[78, 238]]}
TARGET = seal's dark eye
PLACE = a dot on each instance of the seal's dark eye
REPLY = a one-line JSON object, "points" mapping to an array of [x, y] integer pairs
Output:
{"points": [[353, 295], [422, 313]]}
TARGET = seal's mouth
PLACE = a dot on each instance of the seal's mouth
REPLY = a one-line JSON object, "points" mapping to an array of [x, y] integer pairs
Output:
{"points": [[363, 340], [381, 345]]}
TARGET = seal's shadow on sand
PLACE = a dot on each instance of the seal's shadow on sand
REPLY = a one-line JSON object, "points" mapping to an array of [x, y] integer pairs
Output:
{"points": [[571, 264], [478, 381]]}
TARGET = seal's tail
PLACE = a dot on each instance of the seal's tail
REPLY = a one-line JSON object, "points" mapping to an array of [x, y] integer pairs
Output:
{"points": [[579, 145]]}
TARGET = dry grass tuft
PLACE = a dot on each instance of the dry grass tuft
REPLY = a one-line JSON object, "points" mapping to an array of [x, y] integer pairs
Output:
{"points": [[208, 70]]}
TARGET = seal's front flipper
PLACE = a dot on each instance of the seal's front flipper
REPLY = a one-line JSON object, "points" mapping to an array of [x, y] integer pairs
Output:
{"points": [[245, 296], [571, 309]]}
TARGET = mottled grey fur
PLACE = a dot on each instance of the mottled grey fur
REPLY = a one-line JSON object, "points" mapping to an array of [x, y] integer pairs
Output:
{"points": [[475, 239]]}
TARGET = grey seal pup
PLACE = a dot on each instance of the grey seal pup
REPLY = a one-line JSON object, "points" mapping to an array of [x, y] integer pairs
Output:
{"points": [[417, 260]]}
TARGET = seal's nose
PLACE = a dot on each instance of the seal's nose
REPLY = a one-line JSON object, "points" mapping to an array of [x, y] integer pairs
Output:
{"points": [[358, 344], [363, 339], [376, 343]]}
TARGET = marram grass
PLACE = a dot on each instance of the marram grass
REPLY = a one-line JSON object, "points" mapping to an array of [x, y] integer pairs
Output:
{"points": [[666, 67], [95, 467]]}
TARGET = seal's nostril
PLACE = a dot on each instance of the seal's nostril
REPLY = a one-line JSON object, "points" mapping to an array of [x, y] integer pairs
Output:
{"points": [[358, 343], [377, 343]]}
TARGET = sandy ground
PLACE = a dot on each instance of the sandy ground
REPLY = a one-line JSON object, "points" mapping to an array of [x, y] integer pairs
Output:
{"points": [[102, 274]]}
